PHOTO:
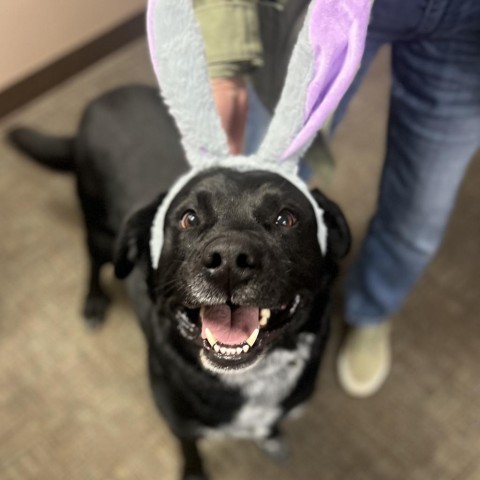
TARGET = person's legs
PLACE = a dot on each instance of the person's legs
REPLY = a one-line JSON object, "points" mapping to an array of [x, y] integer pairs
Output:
{"points": [[434, 129]]}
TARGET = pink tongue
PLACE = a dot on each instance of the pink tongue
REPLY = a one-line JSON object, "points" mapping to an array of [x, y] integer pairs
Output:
{"points": [[230, 327]]}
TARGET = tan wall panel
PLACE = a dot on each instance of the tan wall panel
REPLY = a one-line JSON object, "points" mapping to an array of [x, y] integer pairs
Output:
{"points": [[33, 33]]}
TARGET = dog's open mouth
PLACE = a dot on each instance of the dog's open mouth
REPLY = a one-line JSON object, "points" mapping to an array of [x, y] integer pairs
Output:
{"points": [[233, 336]]}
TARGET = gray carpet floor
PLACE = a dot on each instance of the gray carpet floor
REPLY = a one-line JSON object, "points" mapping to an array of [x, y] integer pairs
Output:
{"points": [[75, 404]]}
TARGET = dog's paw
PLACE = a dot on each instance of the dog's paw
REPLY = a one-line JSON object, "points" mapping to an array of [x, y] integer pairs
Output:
{"points": [[95, 309], [275, 447], [195, 477]]}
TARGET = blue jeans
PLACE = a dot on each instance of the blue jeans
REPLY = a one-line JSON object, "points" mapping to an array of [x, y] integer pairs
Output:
{"points": [[433, 132]]}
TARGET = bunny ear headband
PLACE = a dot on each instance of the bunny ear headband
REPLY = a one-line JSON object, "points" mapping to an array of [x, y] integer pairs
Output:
{"points": [[324, 61]]}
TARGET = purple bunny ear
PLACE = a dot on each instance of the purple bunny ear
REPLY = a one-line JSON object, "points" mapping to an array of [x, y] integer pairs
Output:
{"points": [[324, 62]]}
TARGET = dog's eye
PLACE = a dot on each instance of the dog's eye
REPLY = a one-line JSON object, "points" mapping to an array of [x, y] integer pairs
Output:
{"points": [[286, 219], [189, 219]]}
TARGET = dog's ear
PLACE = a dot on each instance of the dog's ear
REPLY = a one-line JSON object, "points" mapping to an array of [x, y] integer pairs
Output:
{"points": [[134, 238], [338, 236]]}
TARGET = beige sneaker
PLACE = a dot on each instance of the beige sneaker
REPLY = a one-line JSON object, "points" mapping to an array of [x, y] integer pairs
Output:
{"points": [[364, 359]]}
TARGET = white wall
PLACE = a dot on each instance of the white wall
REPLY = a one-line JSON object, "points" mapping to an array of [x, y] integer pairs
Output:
{"points": [[33, 33]]}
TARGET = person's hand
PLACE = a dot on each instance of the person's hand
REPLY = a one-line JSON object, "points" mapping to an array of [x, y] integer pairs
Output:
{"points": [[231, 99]]}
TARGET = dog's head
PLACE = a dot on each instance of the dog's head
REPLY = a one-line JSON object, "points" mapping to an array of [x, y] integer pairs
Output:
{"points": [[240, 259]]}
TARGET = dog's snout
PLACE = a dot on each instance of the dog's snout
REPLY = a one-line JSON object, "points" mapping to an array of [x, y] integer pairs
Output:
{"points": [[231, 260]]}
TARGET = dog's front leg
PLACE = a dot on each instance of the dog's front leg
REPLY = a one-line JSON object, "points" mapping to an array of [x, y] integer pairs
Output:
{"points": [[275, 446], [96, 300], [99, 246], [193, 466]]}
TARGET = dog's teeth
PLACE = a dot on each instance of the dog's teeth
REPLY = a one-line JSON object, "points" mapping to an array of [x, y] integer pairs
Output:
{"points": [[253, 337], [202, 311], [210, 337], [264, 316], [265, 313], [219, 348]]}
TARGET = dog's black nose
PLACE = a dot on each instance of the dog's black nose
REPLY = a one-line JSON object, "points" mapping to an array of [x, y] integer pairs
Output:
{"points": [[232, 260]]}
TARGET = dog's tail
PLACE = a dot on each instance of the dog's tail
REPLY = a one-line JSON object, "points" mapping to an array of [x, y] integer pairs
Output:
{"points": [[54, 152]]}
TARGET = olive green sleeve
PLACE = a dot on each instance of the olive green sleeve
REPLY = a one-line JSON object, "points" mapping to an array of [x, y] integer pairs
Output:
{"points": [[230, 29]]}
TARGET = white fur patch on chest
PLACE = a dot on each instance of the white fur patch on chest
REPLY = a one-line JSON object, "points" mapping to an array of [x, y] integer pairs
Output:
{"points": [[264, 387]]}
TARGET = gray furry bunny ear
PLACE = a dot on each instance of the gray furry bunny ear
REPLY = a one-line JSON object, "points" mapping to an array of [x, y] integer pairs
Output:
{"points": [[178, 57]]}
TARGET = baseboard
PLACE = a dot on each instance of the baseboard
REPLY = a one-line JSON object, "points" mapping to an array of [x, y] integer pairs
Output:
{"points": [[57, 72]]}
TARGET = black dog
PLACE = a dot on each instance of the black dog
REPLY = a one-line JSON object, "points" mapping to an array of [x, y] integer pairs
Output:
{"points": [[235, 316]]}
